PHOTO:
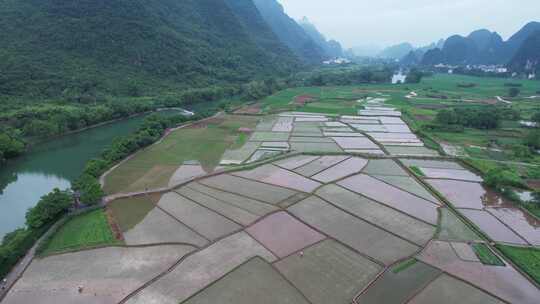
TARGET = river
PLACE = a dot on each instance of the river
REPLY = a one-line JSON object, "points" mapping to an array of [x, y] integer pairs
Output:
{"points": [[53, 164]]}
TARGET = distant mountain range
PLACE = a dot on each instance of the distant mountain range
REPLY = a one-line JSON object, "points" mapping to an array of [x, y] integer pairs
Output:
{"points": [[397, 51], [407, 52], [486, 47]]}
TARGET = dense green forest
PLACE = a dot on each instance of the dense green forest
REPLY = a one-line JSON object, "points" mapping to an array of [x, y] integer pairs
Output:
{"points": [[74, 49], [290, 33], [67, 65]]}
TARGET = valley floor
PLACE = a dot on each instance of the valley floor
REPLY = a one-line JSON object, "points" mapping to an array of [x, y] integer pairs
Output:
{"points": [[294, 207]]}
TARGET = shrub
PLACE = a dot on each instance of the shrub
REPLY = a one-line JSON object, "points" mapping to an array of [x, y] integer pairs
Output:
{"points": [[498, 178], [481, 118], [536, 197], [515, 85], [521, 151], [49, 208], [536, 117], [533, 139], [513, 92], [89, 189]]}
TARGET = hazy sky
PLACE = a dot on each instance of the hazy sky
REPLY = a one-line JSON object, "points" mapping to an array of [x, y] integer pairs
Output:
{"points": [[385, 22]]}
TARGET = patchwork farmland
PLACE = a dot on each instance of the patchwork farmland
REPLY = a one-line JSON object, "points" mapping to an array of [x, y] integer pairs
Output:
{"points": [[296, 207]]}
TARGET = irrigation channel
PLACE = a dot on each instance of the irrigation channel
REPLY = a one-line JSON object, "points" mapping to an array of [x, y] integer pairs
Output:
{"points": [[54, 164]]}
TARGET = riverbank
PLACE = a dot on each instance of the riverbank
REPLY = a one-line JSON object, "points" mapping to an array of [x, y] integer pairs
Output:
{"points": [[12, 251], [31, 142], [54, 164]]}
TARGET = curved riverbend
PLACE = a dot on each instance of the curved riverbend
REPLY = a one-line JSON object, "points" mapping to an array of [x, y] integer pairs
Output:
{"points": [[54, 164]]}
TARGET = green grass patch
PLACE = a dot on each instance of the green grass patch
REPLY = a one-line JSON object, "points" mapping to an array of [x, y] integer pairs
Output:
{"points": [[404, 265], [533, 208], [417, 171], [153, 167], [83, 231], [527, 259], [486, 256]]}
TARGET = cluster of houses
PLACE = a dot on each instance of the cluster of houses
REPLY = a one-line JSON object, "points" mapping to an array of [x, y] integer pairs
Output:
{"points": [[497, 69], [337, 61], [492, 69]]}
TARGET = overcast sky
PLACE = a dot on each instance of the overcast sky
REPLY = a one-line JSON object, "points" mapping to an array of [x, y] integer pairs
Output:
{"points": [[386, 22]]}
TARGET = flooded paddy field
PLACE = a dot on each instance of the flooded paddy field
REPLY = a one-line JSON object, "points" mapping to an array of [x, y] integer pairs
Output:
{"points": [[272, 224]]}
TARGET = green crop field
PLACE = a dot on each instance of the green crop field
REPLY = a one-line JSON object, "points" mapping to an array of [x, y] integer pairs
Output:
{"points": [[486, 256], [153, 167], [528, 259], [83, 231]]}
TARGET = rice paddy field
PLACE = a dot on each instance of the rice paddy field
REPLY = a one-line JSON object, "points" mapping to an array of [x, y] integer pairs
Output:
{"points": [[328, 196], [203, 143]]}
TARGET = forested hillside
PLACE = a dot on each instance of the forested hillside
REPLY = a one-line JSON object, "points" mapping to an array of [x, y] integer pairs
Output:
{"points": [[261, 33], [397, 51], [516, 41], [331, 48], [130, 47], [527, 58], [290, 32], [66, 65]]}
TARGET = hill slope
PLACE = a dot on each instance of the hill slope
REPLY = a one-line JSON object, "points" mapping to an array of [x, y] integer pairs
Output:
{"points": [[515, 42], [261, 33], [50, 46], [331, 48], [289, 32], [527, 58], [397, 51]]}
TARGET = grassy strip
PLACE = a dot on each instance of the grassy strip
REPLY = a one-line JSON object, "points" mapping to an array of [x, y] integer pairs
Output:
{"points": [[486, 256], [528, 259], [83, 231], [417, 171], [534, 209], [404, 265]]}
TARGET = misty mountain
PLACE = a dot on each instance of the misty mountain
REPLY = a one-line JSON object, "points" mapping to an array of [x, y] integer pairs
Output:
{"points": [[290, 32], [397, 51], [332, 48], [412, 58], [49, 46], [515, 42], [403, 50], [527, 58], [480, 47], [422, 50], [366, 50]]}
